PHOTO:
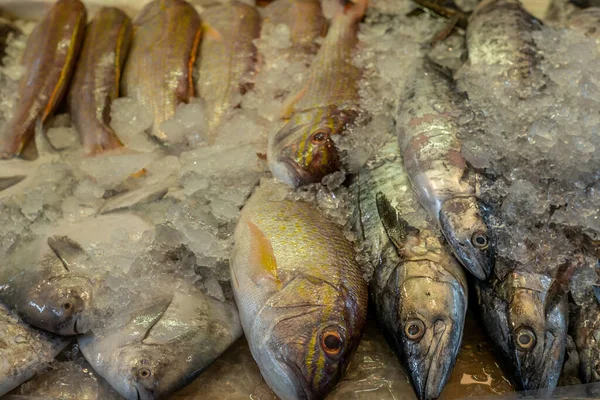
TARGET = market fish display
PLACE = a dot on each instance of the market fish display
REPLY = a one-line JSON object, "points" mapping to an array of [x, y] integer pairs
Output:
{"points": [[97, 78], [300, 292], [49, 60], [227, 57], [159, 70], [160, 351], [428, 130], [303, 150], [24, 351]]}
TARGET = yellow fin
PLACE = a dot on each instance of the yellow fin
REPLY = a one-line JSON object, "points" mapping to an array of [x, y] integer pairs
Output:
{"points": [[211, 32], [262, 259], [288, 106]]}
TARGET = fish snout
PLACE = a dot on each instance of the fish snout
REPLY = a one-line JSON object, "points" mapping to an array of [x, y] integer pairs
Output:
{"points": [[287, 170]]}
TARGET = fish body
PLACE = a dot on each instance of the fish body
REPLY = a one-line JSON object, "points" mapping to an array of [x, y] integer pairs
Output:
{"points": [[159, 69], [303, 150], [300, 292], [96, 80], [24, 351], [227, 57], [304, 31], [160, 351], [419, 289], [527, 327], [427, 131], [585, 329], [49, 60]]}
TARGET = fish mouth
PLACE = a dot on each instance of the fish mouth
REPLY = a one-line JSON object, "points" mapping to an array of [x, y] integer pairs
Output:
{"points": [[301, 389], [288, 171], [548, 370]]}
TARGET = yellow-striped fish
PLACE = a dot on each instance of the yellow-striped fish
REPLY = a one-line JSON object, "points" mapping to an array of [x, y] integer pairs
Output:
{"points": [[300, 292]]}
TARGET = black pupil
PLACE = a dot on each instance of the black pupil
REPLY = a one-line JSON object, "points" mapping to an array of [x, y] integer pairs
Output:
{"points": [[332, 342], [413, 330], [319, 137], [524, 339], [144, 373], [67, 305], [480, 240]]}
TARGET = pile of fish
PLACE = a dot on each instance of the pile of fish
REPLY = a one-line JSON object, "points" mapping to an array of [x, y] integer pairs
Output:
{"points": [[210, 171]]}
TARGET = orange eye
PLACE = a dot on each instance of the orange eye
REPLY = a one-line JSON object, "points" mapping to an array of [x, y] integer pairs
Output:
{"points": [[331, 343], [319, 137]]}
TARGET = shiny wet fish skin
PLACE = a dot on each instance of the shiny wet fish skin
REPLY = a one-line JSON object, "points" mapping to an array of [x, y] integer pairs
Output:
{"points": [[303, 150], [300, 292], [97, 78], [427, 130], [227, 57], [418, 287], [163, 349], [49, 60], [528, 335], [24, 350], [159, 69]]}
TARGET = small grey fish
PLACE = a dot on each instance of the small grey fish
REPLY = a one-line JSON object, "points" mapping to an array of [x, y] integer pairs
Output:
{"points": [[24, 351], [419, 289], [160, 351], [427, 129]]}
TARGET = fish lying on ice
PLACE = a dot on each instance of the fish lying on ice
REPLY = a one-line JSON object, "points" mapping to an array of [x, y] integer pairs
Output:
{"points": [[300, 292], [419, 289]]}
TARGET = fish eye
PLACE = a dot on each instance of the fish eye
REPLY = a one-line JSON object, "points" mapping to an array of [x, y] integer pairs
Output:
{"points": [[480, 240], [525, 338], [331, 342], [144, 373], [319, 137], [67, 305], [414, 329]]}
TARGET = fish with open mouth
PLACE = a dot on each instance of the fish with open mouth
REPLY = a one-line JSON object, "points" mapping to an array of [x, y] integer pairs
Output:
{"points": [[300, 292], [159, 69], [303, 151], [227, 57], [24, 350], [427, 130], [49, 60], [96, 80], [160, 350], [419, 289]]}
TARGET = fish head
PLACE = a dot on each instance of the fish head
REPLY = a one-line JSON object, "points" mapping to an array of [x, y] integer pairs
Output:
{"points": [[463, 224], [59, 305], [303, 151], [431, 316], [309, 344]]}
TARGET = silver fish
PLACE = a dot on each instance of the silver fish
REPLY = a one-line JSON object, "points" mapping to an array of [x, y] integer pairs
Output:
{"points": [[427, 131], [419, 289]]}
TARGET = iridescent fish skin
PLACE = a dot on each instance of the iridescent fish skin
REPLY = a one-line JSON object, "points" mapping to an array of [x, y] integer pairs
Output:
{"points": [[97, 77], [529, 334], [419, 289], [24, 351], [428, 130], [300, 292], [49, 60], [303, 151], [159, 69], [227, 57]]}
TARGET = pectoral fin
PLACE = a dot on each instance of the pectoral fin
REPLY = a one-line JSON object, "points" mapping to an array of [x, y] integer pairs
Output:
{"points": [[396, 228], [262, 263], [70, 253], [290, 103], [210, 32]]}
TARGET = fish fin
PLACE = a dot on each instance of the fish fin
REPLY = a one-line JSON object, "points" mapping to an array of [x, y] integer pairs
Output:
{"points": [[263, 265], [396, 228], [290, 103], [70, 253], [211, 32], [6, 182], [353, 8], [42, 143]]}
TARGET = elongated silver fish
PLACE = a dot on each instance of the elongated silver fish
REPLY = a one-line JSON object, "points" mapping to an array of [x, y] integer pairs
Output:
{"points": [[24, 351], [160, 351], [427, 131], [419, 289], [300, 292]]}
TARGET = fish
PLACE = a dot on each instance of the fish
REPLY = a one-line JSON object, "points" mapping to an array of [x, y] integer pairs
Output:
{"points": [[419, 289], [227, 57], [160, 351], [67, 380], [49, 61], [303, 151], [300, 292], [158, 72], [97, 78], [427, 129], [527, 324], [500, 42], [304, 31], [585, 328], [24, 351]]}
